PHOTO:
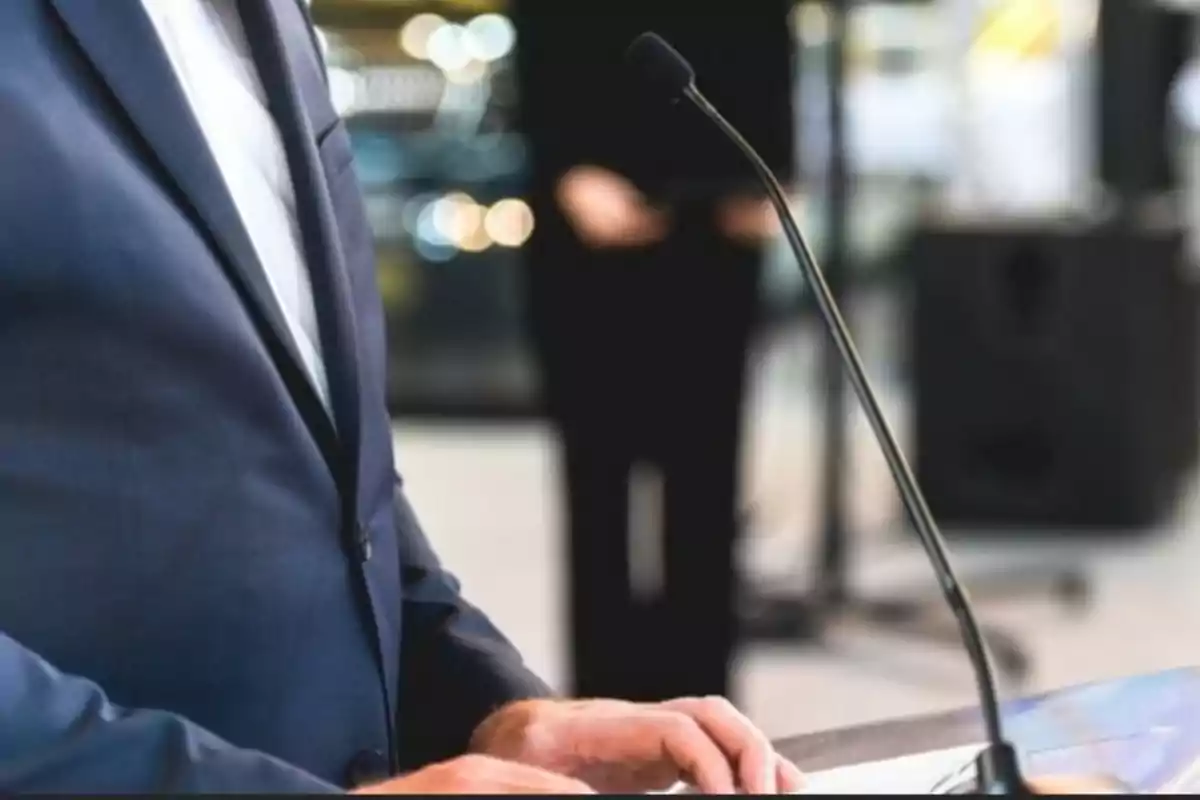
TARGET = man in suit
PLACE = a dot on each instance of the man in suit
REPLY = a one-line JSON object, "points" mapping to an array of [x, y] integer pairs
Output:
{"points": [[210, 579]]}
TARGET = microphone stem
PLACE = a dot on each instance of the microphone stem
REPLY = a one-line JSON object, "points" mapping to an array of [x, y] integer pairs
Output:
{"points": [[914, 501]]}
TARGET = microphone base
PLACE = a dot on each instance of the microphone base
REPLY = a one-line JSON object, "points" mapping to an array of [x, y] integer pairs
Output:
{"points": [[998, 772]]}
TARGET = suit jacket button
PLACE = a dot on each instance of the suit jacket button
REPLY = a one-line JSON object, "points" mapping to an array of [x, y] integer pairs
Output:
{"points": [[367, 767], [362, 541]]}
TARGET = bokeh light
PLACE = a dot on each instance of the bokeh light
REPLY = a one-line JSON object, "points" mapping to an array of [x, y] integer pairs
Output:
{"points": [[509, 222], [490, 37], [416, 33]]}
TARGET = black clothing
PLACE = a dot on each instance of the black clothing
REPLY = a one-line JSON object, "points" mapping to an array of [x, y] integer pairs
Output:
{"points": [[643, 350]]}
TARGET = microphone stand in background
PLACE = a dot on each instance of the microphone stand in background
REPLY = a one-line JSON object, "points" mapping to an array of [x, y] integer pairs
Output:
{"points": [[783, 616]]}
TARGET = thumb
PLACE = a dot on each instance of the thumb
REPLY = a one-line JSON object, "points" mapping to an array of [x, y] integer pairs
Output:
{"points": [[1075, 784], [525, 779]]}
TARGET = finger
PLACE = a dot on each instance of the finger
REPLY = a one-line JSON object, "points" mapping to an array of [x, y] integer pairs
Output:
{"points": [[788, 776], [737, 736], [1074, 784], [694, 752], [655, 225], [526, 779], [561, 786], [553, 783], [600, 235], [530, 787], [619, 227], [547, 784]]}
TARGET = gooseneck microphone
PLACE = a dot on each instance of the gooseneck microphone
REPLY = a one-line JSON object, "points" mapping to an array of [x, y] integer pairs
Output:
{"points": [[666, 72]]}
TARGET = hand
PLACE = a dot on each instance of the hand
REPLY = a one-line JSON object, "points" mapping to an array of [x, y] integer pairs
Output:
{"points": [[606, 210], [479, 775], [748, 220], [1062, 785], [622, 748]]}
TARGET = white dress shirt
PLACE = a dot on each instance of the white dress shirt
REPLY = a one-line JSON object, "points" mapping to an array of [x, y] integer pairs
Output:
{"points": [[207, 47]]}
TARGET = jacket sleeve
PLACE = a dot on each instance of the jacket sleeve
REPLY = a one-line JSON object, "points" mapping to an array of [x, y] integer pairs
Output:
{"points": [[455, 666], [60, 734]]}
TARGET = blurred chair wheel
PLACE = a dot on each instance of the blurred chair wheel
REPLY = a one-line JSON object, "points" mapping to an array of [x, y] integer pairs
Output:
{"points": [[1074, 591], [1015, 666], [1011, 659]]}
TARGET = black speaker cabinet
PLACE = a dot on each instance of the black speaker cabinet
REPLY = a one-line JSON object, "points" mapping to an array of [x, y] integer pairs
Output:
{"points": [[1140, 48], [1054, 374]]}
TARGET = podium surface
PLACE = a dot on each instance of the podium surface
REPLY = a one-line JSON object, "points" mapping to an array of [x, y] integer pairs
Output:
{"points": [[1143, 731]]}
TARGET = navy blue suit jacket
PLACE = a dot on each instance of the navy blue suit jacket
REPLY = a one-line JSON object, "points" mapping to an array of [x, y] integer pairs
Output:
{"points": [[207, 581]]}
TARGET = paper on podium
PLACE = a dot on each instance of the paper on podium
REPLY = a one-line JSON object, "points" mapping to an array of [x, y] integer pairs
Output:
{"points": [[945, 772], [915, 774], [1140, 733]]}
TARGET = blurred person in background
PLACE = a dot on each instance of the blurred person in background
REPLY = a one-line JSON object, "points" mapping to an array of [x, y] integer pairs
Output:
{"points": [[210, 577], [643, 287]]}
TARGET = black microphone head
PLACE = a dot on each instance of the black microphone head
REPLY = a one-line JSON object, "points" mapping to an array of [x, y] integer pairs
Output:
{"points": [[660, 65]]}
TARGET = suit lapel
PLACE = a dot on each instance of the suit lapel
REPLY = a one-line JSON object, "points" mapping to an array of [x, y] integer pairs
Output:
{"points": [[119, 40], [331, 293], [314, 209]]}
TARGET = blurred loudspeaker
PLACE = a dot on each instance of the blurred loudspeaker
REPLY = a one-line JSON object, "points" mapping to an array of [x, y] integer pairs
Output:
{"points": [[1141, 46], [1054, 374]]}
